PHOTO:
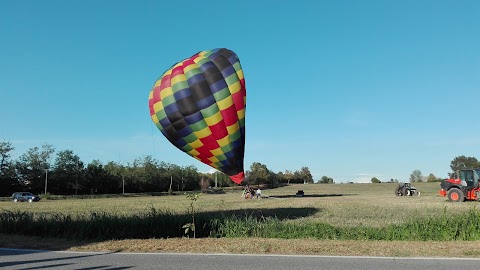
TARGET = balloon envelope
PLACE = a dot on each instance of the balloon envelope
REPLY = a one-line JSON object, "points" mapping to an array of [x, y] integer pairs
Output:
{"points": [[199, 106]]}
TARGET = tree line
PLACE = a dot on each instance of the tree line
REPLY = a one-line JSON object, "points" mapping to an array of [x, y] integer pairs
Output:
{"points": [[44, 170], [458, 163]]}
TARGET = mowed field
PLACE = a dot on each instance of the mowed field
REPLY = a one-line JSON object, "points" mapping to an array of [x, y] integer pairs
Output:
{"points": [[373, 205], [336, 204]]}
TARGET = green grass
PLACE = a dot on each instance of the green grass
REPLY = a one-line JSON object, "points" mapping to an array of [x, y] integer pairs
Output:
{"points": [[341, 211], [465, 227]]}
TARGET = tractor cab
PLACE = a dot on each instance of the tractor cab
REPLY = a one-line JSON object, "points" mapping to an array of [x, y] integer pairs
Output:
{"points": [[464, 187], [470, 177]]}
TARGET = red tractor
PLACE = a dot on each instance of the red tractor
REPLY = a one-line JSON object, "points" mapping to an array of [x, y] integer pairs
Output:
{"points": [[465, 187]]}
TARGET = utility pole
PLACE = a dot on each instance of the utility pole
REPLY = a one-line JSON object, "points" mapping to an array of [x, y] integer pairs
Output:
{"points": [[46, 180], [216, 186], [76, 179], [123, 184], [76, 183]]}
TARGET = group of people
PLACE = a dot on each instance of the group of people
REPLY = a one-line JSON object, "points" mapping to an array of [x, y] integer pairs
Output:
{"points": [[250, 193]]}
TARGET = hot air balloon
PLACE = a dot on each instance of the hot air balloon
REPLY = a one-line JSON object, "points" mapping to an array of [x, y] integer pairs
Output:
{"points": [[199, 106]]}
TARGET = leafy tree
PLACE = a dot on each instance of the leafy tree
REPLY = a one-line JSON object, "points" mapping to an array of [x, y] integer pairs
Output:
{"points": [[258, 174], [297, 178], [325, 180], [288, 175], [463, 162], [5, 153], [375, 180], [119, 174], [416, 176], [8, 182], [99, 180], [189, 178], [306, 175], [68, 173], [281, 177], [32, 166], [432, 178], [222, 179], [393, 180], [151, 174]]}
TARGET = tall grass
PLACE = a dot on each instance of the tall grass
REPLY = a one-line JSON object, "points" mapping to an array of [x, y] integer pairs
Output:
{"points": [[165, 224], [443, 228], [98, 226]]}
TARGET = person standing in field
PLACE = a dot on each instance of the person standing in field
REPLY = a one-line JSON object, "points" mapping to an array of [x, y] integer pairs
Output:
{"points": [[259, 193]]}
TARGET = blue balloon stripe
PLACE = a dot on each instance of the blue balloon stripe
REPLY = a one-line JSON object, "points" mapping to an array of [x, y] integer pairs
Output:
{"points": [[180, 143], [206, 102], [228, 71], [180, 94], [217, 86], [194, 118], [171, 108], [184, 132], [206, 66], [195, 79], [165, 122]]}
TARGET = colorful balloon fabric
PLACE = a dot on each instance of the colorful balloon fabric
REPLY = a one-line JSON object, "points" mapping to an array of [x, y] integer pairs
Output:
{"points": [[199, 106]]}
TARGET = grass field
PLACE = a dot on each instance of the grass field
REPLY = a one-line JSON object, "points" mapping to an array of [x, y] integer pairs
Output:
{"points": [[339, 205]]}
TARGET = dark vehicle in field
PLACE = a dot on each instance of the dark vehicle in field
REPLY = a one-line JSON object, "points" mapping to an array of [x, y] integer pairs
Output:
{"points": [[24, 197], [406, 189], [300, 193], [465, 187]]}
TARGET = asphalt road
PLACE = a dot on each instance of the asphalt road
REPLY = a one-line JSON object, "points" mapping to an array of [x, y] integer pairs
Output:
{"points": [[34, 259]]}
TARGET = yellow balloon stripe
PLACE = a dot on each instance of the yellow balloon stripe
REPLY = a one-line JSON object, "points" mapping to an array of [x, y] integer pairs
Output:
{"points": [[196, 144], [178, 78], [158, 106], [233, 128], [155, 119], [240, 74], [214, 119], [203, 133], [241, 114], [225, 103], [224, 141], [217, 152], [235, 87], [190, 68], [193, 153], [166, 92], [213, 159]]}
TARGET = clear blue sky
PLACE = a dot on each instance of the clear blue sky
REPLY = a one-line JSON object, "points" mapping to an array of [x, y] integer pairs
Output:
{"points": [[350, 89]]}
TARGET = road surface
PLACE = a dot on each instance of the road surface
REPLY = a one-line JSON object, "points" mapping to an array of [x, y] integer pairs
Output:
{"points": [[35, 259]]}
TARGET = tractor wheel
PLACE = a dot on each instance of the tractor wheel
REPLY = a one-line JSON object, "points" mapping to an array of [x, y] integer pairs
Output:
{"points": [[455, 195], [408, 192], [397, 191]]}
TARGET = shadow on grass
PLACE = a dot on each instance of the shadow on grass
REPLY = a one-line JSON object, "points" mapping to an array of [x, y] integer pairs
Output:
{"points": [[153, 223], [312, 195]]}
